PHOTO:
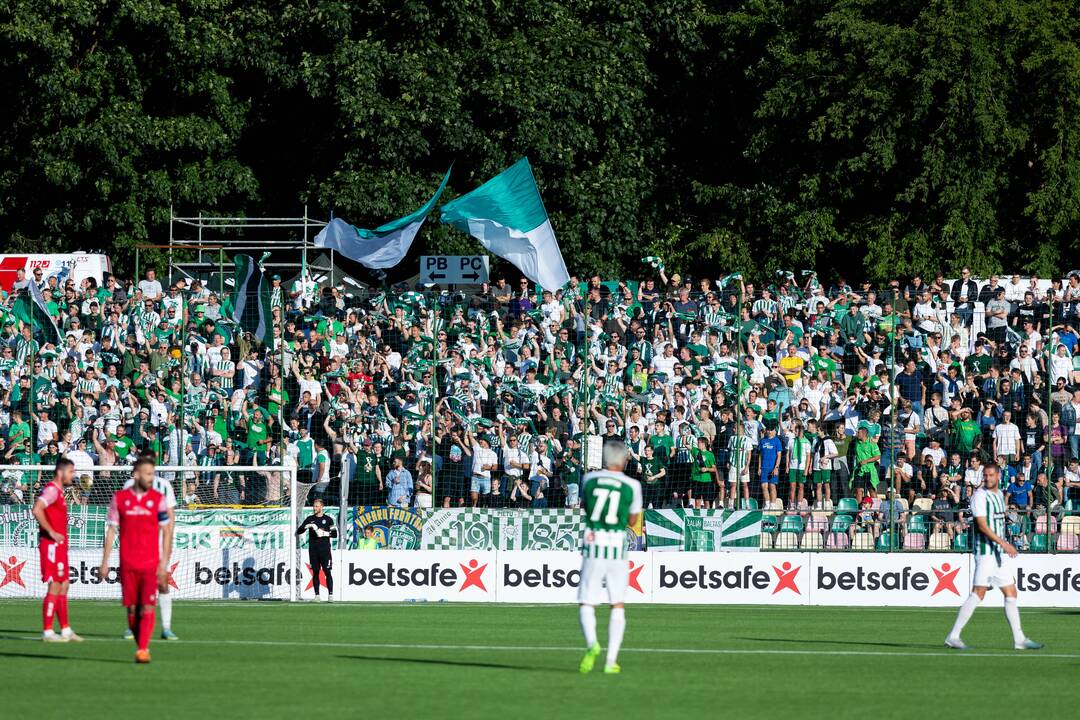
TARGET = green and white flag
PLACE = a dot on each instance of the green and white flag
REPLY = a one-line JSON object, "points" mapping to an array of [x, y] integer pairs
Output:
{"points": [[697, 530], [30, 309], [508, 217], [250, 299], [383, 247]]}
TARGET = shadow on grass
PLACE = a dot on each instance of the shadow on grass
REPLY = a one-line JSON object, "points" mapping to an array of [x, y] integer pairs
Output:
{"points": [[844, 642], [456, 663], [36, 633], [75, 658]]}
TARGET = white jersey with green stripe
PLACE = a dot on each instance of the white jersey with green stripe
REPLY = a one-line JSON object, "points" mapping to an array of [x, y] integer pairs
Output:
{"points": [[609, 498], [989, 504]]}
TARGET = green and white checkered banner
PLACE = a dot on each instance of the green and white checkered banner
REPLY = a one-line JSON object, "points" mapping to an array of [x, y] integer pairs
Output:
{"points": [[490, 529], [86, 526], [702, 530]]}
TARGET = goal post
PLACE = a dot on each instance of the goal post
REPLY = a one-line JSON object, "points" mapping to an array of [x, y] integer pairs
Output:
{"points": [[233, 538]]}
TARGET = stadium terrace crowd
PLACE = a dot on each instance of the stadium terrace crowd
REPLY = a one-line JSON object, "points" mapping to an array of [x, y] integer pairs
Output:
{"points": [[723, 390]]}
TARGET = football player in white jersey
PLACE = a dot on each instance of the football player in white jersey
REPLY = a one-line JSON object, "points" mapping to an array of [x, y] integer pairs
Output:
{"points": [[164, 596], [994, 564]]}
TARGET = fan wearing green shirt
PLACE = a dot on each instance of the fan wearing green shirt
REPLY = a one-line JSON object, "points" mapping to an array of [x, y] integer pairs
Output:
{"points": [[19, 432], [653, 473], [122, 444], [258, 435], [305, 446], [368, 541], [867, 456], [705, 486], [367, 478], [662, 443], [966, 434]]}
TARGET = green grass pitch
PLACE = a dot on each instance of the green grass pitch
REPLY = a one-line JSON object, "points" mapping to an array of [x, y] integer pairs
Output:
{"points": [[263, 660]]}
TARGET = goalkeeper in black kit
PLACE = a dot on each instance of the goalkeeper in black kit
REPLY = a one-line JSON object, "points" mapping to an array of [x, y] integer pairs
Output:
{"points": [[320, 528]]}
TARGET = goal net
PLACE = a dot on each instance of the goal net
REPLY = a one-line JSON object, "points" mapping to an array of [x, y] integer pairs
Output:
{"points": [[233, 538]]}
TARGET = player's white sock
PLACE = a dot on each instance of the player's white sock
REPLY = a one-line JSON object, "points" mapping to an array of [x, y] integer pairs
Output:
{"points": [[165, 603], [1012, 614], [587, 615], [962, 617], [616, 628]]}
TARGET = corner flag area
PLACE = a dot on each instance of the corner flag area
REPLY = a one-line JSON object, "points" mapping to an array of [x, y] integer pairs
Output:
{"points": [[266, 659]]}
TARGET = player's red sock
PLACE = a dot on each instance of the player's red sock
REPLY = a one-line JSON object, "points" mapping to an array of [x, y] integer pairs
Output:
{"points": [[133, 623], [146, 628], [61, 611], [48, 607]]}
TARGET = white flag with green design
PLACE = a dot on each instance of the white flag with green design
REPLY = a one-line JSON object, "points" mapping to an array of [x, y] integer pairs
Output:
{"points": [[702, 530], [508, 217]]}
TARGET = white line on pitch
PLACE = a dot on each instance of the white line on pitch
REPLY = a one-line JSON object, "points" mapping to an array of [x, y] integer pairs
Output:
{"points": [[552, 648]]}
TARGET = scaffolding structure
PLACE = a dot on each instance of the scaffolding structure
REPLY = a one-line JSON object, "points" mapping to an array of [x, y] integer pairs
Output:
{"points": [[198, 244]]}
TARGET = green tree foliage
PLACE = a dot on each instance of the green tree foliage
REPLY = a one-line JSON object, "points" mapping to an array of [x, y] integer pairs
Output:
{"points": [[862, 136]]}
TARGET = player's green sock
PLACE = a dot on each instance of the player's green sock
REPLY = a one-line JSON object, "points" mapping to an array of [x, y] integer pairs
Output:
{"points": [[589, 661]]}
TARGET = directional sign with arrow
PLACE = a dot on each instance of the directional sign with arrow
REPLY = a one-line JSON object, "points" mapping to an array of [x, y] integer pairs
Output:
{"points": [[454, 269]]}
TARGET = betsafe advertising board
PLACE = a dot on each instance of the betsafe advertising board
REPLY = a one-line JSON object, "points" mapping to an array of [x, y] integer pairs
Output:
{"points": [[710, 578]]}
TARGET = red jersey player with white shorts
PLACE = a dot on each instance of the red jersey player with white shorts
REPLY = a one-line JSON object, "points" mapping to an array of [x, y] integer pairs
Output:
{"points": [[50, 511], [141, 515]]}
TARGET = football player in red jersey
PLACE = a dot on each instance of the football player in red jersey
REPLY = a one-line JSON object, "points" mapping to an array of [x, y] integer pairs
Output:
{"points": [[50, 511], [141, 515]]}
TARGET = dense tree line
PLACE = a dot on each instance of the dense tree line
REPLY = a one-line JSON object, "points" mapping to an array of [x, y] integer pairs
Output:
{"points": [[860, 136]]}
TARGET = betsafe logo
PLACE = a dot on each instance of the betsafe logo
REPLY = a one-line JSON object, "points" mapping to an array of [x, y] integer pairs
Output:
{"points": [[12, 571], [907, 578], [469, 577], [546, 576], [746, 578], [1064, 581]]}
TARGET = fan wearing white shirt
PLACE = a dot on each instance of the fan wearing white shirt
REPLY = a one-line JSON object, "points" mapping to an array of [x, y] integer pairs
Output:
{"points": [[1007, 438]]}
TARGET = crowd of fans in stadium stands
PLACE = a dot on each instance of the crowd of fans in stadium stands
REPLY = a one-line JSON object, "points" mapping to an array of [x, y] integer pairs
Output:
{"points": [[723, 390]]}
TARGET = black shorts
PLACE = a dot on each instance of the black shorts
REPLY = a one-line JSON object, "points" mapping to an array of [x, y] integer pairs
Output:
{"points": [[707, 491], [680, 478]]}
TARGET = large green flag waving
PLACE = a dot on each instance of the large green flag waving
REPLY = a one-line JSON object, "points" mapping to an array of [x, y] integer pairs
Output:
{"points": [[30, 309]]}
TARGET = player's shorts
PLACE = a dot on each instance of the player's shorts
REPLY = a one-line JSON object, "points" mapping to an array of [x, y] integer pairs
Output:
{"points": [[707, 491], [797, 477], [603, 581], [480, 485], [991, 572], [822, 476], [734, 477], [769, 479], [54, 561], [138, 587]]}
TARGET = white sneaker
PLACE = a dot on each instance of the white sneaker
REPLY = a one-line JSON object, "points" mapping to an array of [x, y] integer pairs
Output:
{"points": [[69, 635], [1028, 644], [51, 636], [955, 643]]}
